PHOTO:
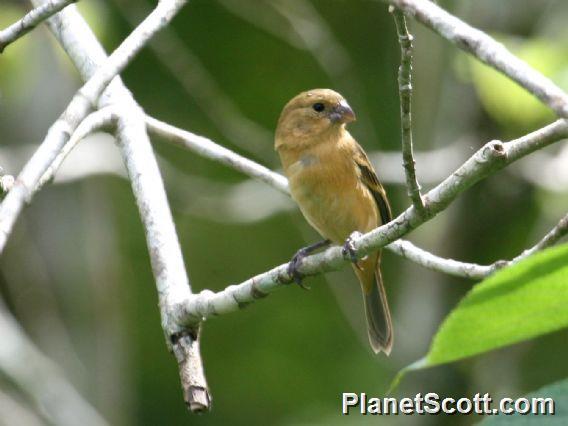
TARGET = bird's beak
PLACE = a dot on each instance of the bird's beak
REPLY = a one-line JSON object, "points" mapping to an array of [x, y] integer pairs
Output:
{"points": [[342, 113]]}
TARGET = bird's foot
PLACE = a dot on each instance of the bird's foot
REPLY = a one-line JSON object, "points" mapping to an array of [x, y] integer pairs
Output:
{"points": [[348, 249], [295, 264], [297, 261]]}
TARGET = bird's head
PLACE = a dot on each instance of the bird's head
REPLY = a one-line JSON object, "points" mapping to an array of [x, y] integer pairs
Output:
{"points": [[312, 114]]}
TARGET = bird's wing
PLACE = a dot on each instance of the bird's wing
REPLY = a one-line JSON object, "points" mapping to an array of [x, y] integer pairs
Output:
{"points": [[371, 181]]}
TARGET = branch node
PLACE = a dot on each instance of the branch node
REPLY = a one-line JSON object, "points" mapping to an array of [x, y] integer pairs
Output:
{"points": [[499, 264], [257, 293], [495, 149], [498, 146], [201, 303]]}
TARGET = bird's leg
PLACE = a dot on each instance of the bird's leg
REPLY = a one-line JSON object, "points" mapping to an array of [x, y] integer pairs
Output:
{"points": [[297, 260], [348, 250]]}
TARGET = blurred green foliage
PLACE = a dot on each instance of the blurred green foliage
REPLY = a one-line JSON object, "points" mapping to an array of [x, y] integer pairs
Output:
{"points": [[509, 104]]}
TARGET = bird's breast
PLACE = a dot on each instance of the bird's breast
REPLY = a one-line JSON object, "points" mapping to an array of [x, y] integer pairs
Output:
{"points": [[331, 196]]}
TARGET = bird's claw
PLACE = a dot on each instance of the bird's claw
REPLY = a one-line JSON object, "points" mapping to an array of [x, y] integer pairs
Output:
{"points": [[293, 268], [299, 257], [348, 249]]}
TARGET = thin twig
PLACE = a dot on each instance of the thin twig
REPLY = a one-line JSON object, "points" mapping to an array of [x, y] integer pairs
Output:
{"points": [[30, 21], [449, 157], [209, 149], [487, 50], [430, 261], [79, 42], [491, 157], [94, 122], [405, 94], [551, 238]]}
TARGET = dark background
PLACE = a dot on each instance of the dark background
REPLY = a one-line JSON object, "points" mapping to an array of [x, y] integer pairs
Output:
{"points": [[76, 272]]}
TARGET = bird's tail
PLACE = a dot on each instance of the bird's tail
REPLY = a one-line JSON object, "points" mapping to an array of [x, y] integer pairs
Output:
{"points": [[379, 323]]}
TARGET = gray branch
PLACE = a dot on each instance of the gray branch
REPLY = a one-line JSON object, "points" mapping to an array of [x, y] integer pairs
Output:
{"points": [[209, 149], [99, 120], [487, 50], [491, 157], [105, 117], [551, 238], [171, 279], [472, 270], [31, 20], [165, 253], [449, 266]]}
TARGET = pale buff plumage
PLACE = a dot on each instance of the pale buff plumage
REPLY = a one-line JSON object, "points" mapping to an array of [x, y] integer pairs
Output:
{"points": [[336, 188]]}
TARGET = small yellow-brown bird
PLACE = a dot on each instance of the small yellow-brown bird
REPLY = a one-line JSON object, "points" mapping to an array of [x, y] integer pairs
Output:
{"points": [[337, 190]]}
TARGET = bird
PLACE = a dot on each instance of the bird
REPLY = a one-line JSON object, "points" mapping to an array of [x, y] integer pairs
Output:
{"points": [[338, 192]]}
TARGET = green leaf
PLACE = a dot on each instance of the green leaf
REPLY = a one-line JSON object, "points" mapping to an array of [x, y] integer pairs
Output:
{"points": [[520, 302], [557, 391]]}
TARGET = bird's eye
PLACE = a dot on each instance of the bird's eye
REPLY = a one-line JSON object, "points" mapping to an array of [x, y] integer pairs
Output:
{"points": [[318, 106]]}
